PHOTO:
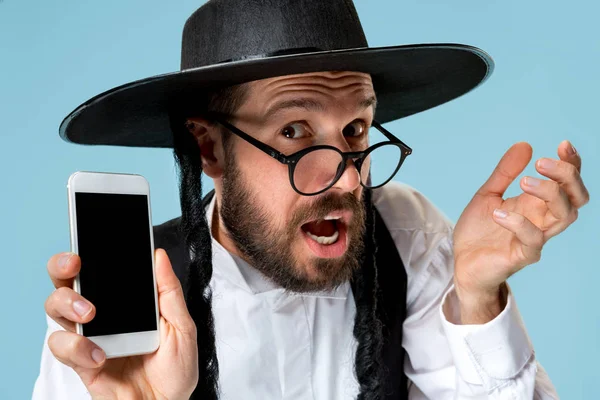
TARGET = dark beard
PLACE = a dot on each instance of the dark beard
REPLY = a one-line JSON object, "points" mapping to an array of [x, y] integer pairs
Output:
{"points": [[268, 250]]}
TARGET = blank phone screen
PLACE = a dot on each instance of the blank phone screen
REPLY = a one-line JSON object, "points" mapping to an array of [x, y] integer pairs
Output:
{"points": [[113, 236]]}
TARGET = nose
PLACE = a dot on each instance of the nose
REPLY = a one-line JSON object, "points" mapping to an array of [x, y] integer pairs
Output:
{"points": [[350, 179]]}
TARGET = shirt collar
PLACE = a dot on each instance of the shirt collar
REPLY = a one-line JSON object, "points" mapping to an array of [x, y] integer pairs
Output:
{"points": [[239, 272]]}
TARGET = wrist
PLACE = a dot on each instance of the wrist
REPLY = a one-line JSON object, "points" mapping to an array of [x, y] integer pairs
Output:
{"points": [[480, 306]]}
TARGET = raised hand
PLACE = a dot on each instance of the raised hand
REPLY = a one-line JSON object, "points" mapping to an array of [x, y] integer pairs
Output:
{"points": [[169, 373], [496, 237]]}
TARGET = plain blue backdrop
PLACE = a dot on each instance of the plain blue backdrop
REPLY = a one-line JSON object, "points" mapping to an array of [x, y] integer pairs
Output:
{"points": [[55, 54]]}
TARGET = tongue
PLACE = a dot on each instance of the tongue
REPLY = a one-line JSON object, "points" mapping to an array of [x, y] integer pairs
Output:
{"points": [[321, 228]]}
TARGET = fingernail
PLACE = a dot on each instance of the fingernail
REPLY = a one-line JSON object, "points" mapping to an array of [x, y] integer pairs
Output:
{"points": [[546, 163], [571, 149], [62, 260], [98, 355], [500, 213], [529, 181], [81, 307]]}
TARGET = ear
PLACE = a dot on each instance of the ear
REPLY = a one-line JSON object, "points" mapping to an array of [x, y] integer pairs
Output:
{"points": [[208, 137]]}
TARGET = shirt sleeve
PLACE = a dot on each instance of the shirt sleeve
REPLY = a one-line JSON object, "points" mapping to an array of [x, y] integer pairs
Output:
{"points": [[445, 360], [56, 381]]}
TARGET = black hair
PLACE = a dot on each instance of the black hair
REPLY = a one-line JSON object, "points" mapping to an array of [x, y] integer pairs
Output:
{"points": [[195, 230], [367, 325]]}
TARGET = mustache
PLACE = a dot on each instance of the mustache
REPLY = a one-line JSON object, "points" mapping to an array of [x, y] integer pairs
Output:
{"points": [[327, 204]]}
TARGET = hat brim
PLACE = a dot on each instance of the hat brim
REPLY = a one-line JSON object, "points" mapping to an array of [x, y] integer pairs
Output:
{"points": [[407, 79]]}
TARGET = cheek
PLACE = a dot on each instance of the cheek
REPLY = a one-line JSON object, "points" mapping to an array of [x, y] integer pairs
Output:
{"points": [[270, 184], [365, 170]]}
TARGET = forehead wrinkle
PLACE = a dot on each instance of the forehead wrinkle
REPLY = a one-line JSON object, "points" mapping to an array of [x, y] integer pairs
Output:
{"points": [[318, 81], [323, 80], [300, 96]]}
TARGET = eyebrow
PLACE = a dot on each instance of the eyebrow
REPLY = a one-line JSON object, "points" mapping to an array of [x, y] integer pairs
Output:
{"points": [[312, 105], [368, 102]]}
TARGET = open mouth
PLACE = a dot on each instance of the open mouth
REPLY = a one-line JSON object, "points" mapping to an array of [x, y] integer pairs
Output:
{"points": [[323, 231], [327, 237]]}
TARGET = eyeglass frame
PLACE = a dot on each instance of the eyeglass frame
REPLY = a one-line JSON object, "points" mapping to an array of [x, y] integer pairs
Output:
{"points": [[357, 157]]}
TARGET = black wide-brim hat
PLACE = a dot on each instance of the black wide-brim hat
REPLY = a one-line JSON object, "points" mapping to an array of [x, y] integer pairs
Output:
{"points": [[227, 42]]}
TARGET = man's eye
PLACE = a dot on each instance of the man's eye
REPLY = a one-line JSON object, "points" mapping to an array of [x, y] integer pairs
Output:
{"points": [[355, 129], [294, 131]]}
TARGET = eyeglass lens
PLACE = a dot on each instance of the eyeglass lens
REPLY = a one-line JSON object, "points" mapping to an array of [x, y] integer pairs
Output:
{"points": [[384, 161], [317, 170]]}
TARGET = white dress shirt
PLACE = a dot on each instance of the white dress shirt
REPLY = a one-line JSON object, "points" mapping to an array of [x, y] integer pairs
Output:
{"points": [[272, 344]]}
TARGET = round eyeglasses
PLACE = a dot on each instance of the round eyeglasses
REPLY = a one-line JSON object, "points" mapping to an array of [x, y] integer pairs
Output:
{"points": [[317, 168]]}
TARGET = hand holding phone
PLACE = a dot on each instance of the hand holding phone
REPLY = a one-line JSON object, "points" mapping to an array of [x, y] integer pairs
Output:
{"points": [[140, 376]]}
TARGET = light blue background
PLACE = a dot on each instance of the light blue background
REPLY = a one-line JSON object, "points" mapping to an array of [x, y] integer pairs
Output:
{"points": [[55, 54]]}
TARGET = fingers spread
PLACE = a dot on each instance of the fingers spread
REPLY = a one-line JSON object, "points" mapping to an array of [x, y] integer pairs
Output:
{"points": [[66, 307], [76, 351], [510, 166], [531, 237], [567, 176], [62, 268], [170, 295]]}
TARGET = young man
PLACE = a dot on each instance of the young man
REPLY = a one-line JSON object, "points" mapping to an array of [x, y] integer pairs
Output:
{"points": [[305, 278]]}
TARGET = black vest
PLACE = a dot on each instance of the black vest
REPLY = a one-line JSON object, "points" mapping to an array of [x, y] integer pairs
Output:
{"points": [[391, 297]]}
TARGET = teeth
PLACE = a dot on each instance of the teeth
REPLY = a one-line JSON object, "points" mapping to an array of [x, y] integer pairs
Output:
{"points": [[330, 218], [325, 239]]}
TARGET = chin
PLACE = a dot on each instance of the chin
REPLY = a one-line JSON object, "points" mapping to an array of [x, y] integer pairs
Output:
{"points": [[325, 273]]}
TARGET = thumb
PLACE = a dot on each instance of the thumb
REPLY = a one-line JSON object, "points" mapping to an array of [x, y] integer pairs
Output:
{"points": [[171, 301], [510, 166]]}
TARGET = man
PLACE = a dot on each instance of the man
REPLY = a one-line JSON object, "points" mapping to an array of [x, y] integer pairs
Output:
{"points": [[305, 278]]}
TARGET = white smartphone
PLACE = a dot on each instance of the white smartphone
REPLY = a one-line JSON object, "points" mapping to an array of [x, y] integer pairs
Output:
{"points": [[111, 231]]}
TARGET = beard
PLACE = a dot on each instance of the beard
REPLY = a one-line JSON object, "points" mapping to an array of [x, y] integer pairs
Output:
{"points": [[269, 249]]}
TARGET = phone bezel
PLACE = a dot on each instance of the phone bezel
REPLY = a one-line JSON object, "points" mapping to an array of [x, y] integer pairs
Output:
{"points": [[124, 344]]}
